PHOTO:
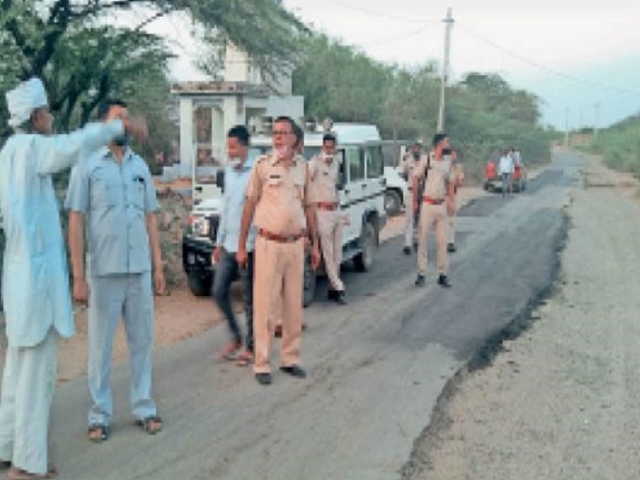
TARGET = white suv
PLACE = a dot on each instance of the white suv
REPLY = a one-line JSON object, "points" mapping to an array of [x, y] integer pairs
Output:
{"points": [[361, 193]]}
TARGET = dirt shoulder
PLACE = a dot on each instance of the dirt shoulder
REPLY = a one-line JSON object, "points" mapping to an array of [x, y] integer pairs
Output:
{"points": [[560, 402]]}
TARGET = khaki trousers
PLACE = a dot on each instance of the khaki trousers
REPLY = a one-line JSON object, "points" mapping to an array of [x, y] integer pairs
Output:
{"points": [[27, 391], [431, 215], [451, 230], [408, 219], [277, 279], [330, 234]]}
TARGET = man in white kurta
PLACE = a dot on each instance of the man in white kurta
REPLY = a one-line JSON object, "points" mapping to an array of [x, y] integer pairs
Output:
{"points": [[35, 287]]}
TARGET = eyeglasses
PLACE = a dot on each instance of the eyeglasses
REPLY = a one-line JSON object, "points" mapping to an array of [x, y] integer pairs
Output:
{"points": [[280, 132]]}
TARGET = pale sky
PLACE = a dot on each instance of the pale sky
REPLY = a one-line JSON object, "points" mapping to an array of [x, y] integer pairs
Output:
{"points": [[534, 45]]}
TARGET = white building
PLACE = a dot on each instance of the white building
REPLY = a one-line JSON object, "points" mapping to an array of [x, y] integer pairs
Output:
{"points": [[209, 109]]}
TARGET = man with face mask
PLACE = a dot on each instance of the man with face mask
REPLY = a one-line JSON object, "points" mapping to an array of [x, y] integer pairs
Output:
{"points": [[277, 194], [324, 175], [407, 164], [112, 203], [224, 254], [35, 284]]}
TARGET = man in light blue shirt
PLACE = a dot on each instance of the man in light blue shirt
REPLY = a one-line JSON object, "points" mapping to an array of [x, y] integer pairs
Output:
{"points": [[35, 281], [224, 254], [112, 203]]}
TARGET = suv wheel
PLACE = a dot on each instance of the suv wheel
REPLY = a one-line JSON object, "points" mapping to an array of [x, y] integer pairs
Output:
{"points": [[364, 260], [392, 202], [199, 286]]}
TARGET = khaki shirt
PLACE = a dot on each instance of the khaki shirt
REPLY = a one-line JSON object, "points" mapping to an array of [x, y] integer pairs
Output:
{"points": [[438, 176], [323, 176], [457, 175], [408, 164], [279, 194]]}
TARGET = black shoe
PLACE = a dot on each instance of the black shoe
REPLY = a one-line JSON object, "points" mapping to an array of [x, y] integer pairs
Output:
{"points": [[263, 378], [443, 281], [340, 298], [332, 294], [451, 248], [420, 281], [294, 371], [406, 250]]}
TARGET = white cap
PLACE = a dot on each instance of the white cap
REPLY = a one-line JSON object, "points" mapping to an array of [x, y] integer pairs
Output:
{"points": [[24, 99]]}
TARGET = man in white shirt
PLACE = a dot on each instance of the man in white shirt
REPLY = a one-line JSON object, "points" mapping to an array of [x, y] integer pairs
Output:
{"points": [[35, 283], [506, 169]]}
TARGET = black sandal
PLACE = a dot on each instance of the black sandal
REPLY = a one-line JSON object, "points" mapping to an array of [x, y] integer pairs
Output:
{"points": [[146, 423], [98, 427]]}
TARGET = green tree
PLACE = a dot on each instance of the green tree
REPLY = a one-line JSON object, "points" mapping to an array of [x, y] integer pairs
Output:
{"points": [[339, 82]]}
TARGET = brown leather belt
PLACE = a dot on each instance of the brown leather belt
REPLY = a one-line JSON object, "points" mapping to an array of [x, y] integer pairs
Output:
{"points": [[274, 237], [326, 206], [433, 201]]}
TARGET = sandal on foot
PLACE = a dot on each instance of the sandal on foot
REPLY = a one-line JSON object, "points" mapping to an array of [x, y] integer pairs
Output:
{"points": [[152, 424], [18, 474], [245, 359], [98, 432], [229, 351]]}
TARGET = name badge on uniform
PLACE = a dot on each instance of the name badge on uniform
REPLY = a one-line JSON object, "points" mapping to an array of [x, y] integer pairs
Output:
{"points": [[274, 179]]}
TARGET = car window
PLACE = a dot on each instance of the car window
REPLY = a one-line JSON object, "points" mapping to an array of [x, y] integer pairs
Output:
{"points": [[374, 161], [355, 162]]}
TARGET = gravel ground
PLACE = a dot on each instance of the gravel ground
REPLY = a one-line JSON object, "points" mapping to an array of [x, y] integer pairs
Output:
{"points": [[560, 401]]}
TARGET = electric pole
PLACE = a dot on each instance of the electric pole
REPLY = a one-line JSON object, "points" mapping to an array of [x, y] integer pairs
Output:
{"points": [[445, 67], [595, 124]]}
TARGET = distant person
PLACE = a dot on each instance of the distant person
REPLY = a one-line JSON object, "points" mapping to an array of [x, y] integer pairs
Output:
{"points": [[324, 175], [506, 169], [408, 163], [112, 204], [437, 203], [457, 177], [35, 281], [224, 254]]}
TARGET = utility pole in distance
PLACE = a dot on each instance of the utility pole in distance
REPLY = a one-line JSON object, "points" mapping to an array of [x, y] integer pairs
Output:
{"points": [[597, 121], [445, 67]]}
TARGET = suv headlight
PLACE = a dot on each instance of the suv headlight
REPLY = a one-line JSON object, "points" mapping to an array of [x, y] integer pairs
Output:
{"points": [[198, 225]]}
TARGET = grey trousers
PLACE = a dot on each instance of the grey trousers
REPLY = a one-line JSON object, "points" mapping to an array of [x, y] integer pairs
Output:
{"points": [[129, 297]]}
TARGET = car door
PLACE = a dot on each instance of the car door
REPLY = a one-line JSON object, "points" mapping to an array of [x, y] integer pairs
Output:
{"points": [[352, 193], [374, 163]]}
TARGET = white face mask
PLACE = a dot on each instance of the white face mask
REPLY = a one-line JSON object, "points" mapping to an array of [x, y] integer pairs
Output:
{"points": [[283, 152], [235, 162]]}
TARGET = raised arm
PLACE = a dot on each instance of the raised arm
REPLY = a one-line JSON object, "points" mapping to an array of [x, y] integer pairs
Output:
{"points": [[59, 152]]}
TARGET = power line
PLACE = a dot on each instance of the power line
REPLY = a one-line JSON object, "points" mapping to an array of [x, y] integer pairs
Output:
{"points": [[544, 67], [401, 35], [381, 14]]}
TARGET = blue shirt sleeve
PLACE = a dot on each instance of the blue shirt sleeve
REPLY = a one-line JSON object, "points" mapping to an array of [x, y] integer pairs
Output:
{"points": [[78, 194], [150, 200]]}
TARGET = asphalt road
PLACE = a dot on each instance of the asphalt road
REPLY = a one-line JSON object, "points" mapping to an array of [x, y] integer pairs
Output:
{"points": [[376, 367]]}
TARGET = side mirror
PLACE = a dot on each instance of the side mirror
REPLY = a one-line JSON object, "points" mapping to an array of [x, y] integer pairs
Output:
{"points": [[220, 179]]}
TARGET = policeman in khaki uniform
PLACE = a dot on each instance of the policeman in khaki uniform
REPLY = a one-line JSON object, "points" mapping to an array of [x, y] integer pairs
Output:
{"points": [[277, 194], [457, 177], [324, 172], [437, 203], [408, 164]]}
